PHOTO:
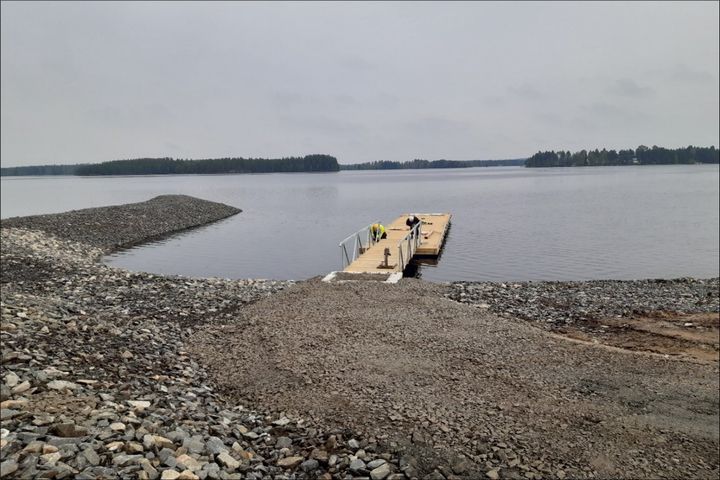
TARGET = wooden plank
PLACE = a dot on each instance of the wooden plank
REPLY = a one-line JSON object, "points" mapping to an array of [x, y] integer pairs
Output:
{"points": [[433, 232]]}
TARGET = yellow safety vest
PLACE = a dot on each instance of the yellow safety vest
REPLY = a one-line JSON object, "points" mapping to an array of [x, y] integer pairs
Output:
{"points": [[377, 231]]}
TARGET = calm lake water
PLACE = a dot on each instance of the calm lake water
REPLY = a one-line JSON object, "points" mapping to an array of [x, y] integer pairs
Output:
{"points": [[509, 224]]}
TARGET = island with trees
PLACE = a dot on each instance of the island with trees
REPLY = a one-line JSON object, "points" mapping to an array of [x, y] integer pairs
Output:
{"points": [[418, 164], [170, 166], [33, 170], [642, 155]]}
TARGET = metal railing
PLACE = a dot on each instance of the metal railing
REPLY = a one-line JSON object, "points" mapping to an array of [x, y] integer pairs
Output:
{"points": [[408, 245], [360, 241], [357, 243]]}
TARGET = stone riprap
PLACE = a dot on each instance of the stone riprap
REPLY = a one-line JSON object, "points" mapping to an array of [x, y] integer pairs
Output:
{"points": [[557, 304]]}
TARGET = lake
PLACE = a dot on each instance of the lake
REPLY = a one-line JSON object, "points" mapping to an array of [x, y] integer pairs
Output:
{"points": [[509, 223]]}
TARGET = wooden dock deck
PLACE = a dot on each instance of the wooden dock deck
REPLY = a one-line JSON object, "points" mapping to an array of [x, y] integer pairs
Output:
{"points": [[432, 237]]}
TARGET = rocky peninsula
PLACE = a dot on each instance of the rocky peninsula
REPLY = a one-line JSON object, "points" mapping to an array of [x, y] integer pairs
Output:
{"points": [[114, 374]]}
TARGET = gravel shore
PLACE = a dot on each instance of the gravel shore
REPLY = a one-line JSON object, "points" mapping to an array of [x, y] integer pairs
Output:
{"points": [[556, 304], [114, 374]]}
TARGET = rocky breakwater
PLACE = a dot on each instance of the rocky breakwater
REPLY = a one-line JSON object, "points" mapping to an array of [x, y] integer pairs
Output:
{"points": [[119, 226], [95, 379]]}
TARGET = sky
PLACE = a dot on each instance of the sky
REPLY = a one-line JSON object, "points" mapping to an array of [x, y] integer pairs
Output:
{"points": [[90, 82]]}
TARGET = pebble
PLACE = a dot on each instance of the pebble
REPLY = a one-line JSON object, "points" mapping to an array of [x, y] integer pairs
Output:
{"points": [[290, 462], [225, 459], [356, 465], [8, 467], [170, 475], [62, 385], [21, 388], [283, 442], [309, 465], [11, 379], [379, 473]]}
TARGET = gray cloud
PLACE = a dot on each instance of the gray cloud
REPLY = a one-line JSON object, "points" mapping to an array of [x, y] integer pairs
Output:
{"points": [[435, 125], [526, 92], [320, 124], [685, 74], [609, 111], [627, 87], [87, 82]]}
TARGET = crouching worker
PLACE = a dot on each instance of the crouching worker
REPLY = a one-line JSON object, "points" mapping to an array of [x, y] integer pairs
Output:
{"points": [[377, 232], [411, 221]]}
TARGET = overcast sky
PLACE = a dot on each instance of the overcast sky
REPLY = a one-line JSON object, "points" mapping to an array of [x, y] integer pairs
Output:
{"points": [[88, 82]]}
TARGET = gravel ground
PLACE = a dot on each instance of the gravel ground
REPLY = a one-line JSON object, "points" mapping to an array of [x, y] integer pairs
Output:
{"points": [[114, 374], [458, 388]]}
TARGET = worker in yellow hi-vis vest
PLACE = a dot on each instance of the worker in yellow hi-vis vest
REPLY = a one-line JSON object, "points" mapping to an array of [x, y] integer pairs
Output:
{"points": [[377, 232]]}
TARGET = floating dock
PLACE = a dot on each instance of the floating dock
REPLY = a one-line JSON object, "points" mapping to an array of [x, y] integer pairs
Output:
{"points": [[360, 254]]}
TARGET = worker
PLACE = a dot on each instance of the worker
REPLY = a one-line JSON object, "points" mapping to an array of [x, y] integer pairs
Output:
{"points": [[377, 232], [411, 221]]}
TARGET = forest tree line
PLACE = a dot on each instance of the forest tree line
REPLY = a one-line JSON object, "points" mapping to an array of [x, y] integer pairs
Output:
{"points": [[160, 166], [39, 170], [418, 163], [166, 166], [640, 156]]}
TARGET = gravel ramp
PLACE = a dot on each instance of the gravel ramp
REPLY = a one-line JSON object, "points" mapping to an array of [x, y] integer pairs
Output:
{"points": [[459, 387]]}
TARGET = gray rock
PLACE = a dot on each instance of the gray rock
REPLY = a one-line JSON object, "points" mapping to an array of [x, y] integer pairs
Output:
{"points": [[194, 444], [283, 442], [21, 388], [309, 465], [62, 385], [460, 465], [151, 471], [356, 465], [8, 467], [165, 453], [225, 459], [380, 472], [215, 446], [11, 379], [123, 460], [92, 457], [8, 413], [375, 463], [69, 430], [59, 441]]}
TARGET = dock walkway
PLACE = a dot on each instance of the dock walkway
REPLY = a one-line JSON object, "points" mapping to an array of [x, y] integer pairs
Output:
{"points": [[402, 244]]}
